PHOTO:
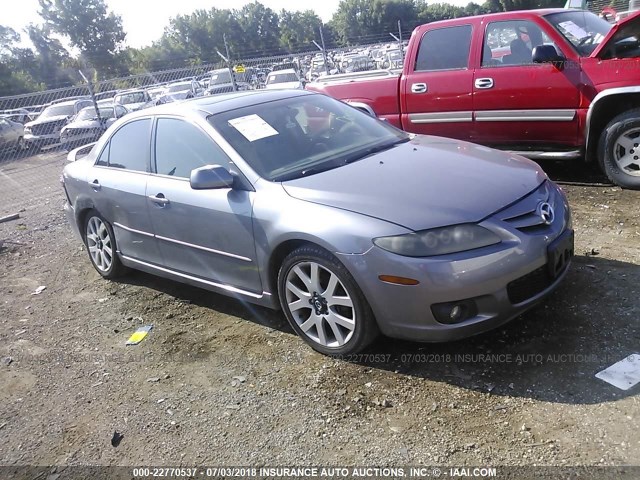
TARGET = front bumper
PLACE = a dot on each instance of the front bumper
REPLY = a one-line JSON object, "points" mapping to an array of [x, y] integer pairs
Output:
{"points": [[41, 140], [79, 139], [502, 280]]}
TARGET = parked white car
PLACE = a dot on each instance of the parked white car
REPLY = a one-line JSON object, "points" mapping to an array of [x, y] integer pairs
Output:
{"points": [[284, 79]]}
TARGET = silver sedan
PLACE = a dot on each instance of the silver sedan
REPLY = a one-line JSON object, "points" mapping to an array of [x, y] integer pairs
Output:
{"points": [[294, 200]]}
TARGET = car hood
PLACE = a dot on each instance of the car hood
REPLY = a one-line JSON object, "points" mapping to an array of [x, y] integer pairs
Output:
{"points": [[135, 106], [425, 183], [626, 27], [41, 121], [83, 124], [284, 86]]}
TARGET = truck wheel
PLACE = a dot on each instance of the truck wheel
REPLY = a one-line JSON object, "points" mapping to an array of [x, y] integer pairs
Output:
{"points": [[619, 150]]}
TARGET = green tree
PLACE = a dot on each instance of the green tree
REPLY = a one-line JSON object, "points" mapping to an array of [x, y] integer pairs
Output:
{"points": [[358, 21], [298, 29], [89, 27], [197, 37], [261, 32], [15, 65], [52, 64]]}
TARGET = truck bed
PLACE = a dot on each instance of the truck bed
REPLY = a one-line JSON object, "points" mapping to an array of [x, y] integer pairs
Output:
{"points": [[376, 87]]}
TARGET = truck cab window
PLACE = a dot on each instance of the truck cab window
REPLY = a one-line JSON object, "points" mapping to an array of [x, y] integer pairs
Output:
{"points": [[444, 49], [511, 43]]}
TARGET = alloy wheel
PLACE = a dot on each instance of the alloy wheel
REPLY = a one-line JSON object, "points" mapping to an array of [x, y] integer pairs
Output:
{"points": [[100, 244], [320, 304]]}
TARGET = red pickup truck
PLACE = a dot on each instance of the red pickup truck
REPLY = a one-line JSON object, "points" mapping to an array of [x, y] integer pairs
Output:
{"points": [[547, 84]]}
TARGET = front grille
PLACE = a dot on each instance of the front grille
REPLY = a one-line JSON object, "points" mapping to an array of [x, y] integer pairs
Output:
{"points": [[82, 131], [523, 214], [529, 285], [46, 128]]}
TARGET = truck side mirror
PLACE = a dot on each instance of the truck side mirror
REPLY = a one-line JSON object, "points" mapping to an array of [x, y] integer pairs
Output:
{"points": [[547, 54]]}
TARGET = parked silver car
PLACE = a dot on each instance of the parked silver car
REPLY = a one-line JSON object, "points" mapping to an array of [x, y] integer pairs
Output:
{"points": [[45, 130], [11, 136], [87, 127], [295, 200]]}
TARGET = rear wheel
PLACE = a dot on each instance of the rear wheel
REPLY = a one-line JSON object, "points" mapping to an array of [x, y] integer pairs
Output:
{"points": [[323, 303], [101, 245], [619, 150]]}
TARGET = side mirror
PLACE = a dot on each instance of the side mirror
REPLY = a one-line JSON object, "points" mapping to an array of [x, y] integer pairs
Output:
{"points": [[211, 177], [547, 54]]}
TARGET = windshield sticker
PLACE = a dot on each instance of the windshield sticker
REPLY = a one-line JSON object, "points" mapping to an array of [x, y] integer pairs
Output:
{"points": [[573, 29], [253, 127]]}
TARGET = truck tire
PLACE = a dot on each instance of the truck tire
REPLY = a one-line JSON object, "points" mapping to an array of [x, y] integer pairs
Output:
{"points": [[619, 150]]}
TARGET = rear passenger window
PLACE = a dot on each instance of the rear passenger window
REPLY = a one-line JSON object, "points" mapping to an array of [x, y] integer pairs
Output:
{"points": [[128, 147], [444, 49]]}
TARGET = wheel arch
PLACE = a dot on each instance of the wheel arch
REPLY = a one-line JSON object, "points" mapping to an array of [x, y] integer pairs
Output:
{"points": [[278, 255], [82, 207], [365, 107], [604, 107]]}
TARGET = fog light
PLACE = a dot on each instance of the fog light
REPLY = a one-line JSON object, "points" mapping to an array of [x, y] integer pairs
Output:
{"points": [[454, 312]]}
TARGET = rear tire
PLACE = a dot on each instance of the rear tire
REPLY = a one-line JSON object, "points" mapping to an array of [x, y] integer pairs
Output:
{"points": [[101, 246], [324, 304], [619, 150]]}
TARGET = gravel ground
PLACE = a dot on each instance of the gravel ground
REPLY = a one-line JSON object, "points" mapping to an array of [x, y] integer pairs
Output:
{"points": [[218, 382]]}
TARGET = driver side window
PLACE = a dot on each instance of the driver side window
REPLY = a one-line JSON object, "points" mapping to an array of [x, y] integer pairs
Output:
{"points": [[511, 43]]}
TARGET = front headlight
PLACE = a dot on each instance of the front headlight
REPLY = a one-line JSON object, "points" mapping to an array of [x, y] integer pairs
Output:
{"points": [[27, 130], [439, 241]]}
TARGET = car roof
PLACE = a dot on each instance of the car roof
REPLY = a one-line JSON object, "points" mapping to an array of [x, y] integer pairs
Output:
{"points": [[225, 102], [68, 102]]}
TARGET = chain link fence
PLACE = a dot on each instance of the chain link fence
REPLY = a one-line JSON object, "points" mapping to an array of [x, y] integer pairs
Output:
{"points": [[40, 122]]}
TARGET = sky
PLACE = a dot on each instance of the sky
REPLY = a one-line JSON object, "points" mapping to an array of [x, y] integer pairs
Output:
{"points": [[144, 20]]}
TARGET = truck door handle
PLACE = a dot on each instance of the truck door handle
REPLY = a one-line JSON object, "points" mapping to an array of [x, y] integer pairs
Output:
{"points": [[484, 82], [419, 88], [96, 185], [159, 199]]}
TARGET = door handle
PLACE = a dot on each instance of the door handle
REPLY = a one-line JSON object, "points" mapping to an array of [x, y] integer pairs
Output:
{"points": [[484, 83], [419, 88], [96, 185], [159, 199]]}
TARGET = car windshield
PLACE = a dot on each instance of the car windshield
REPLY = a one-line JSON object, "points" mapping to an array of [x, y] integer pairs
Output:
{"points": [[179, 87], [58, 111], [584, 30], [220, 78], [128, 98], [89, 113], [300, 136], [282, 78]]}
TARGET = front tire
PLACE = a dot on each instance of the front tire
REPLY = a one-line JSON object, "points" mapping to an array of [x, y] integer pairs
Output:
{"points": [[619, 150], [324, 304], [21, 145], [101, 246]]}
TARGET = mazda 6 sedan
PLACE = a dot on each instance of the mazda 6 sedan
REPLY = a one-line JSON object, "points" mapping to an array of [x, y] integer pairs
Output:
{"points": [[294, 200]]}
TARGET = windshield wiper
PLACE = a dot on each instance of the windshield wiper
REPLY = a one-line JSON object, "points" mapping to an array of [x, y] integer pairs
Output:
{"points": [[371, 150], [306, 172]]}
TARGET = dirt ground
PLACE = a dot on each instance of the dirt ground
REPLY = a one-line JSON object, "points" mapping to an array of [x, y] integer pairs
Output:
{"points": [[217, 382]]}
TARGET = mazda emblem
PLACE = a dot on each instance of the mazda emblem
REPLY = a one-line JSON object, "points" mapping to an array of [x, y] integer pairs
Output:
{"points": [[546, 213]]}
